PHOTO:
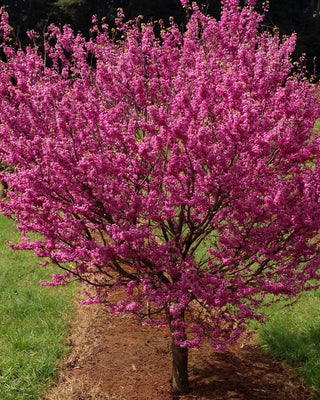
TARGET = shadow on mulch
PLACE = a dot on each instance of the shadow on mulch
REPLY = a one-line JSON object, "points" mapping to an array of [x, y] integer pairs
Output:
{"points": [[245, 373]]}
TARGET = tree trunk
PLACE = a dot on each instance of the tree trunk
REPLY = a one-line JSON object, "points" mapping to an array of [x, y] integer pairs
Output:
{"points": [[179, 382]]}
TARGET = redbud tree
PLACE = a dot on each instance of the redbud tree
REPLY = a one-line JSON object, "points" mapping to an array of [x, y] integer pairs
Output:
{"points": [[175, 173]]}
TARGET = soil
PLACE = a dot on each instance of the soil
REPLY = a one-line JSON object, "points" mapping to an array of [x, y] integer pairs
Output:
{"points": [[114, 358]]}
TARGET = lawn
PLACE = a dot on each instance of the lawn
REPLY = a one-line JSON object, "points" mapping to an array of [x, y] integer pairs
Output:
{"points": [[292, 334], [34, 321]]}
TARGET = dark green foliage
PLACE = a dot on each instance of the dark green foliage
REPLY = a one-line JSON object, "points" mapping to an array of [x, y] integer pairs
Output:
{"points": [[78, 13]]}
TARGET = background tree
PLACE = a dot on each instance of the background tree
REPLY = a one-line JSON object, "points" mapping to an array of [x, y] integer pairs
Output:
{"points": [[78, 13], [302, 17], [178, 176], [26, 14]]}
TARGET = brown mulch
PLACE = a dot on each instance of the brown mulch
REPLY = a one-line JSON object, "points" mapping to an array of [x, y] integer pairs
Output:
{"points": [[113, 358]]}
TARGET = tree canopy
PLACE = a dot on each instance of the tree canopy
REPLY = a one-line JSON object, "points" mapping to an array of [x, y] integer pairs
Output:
{"points": [[179, 171]]}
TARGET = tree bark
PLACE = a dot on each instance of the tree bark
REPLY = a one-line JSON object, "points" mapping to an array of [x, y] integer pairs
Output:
{"points": [[180, 381]]}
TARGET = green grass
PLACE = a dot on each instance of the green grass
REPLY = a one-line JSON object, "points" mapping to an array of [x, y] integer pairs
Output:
{"points": [[34, 321], [293, 335], [317, 126]]}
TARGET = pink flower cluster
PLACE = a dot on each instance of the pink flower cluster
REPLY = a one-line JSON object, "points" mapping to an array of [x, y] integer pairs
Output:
{"points": [[180, 170]]}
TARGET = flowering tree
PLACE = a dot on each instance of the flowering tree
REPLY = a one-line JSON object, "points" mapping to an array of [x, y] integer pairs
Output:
{"points": [[180, 171]]}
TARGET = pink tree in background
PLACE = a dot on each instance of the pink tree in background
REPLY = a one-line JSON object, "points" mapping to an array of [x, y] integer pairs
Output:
{"points": [[181, 171]]}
